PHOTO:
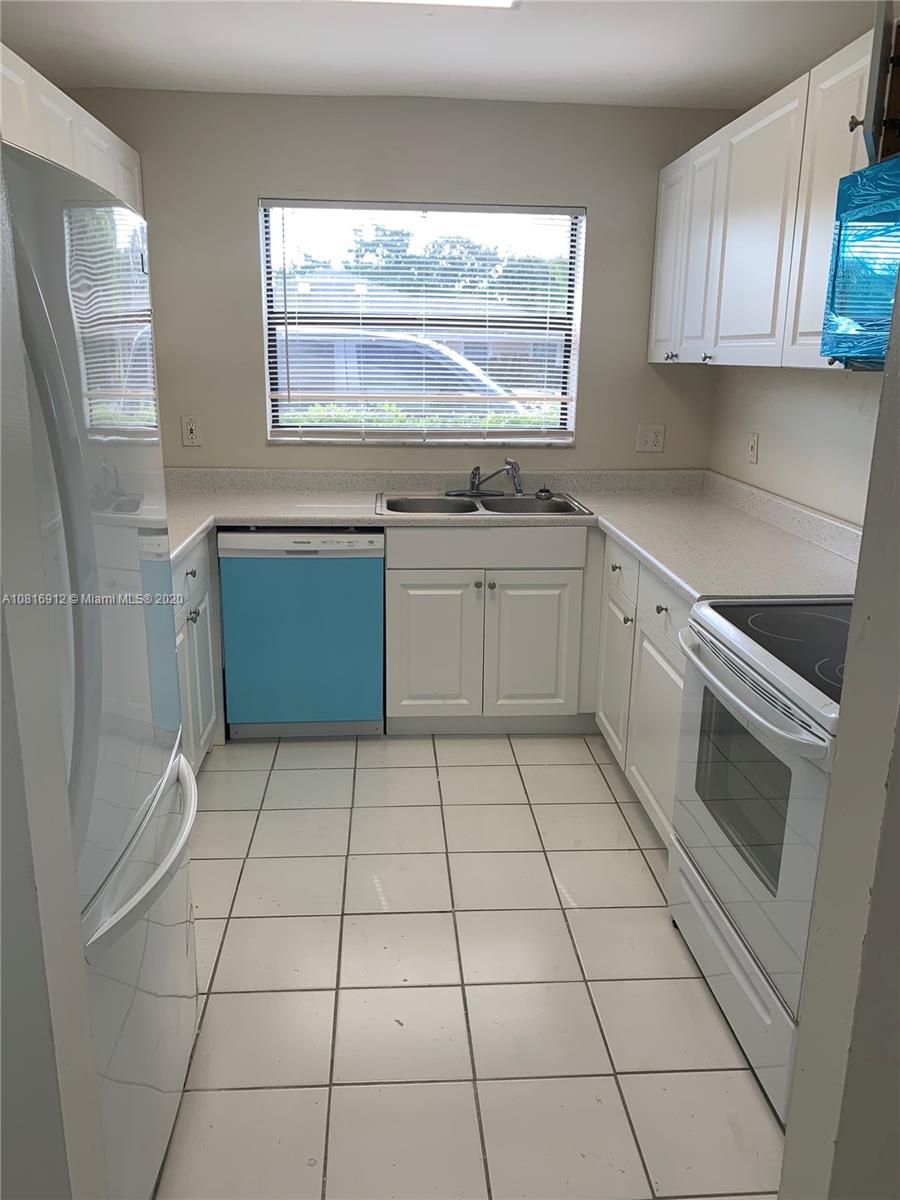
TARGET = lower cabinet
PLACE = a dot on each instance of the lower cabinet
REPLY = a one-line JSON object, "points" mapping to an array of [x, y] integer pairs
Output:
{"points": [[654, 719], [196, 676], [435, 642], [614, 677], [641, 679], [473, 643]]}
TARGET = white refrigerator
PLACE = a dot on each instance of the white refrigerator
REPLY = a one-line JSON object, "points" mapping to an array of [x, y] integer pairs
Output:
{"points": [[79, 316]]}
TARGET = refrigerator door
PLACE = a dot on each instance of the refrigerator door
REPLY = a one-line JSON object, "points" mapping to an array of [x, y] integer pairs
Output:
{"points": [[81, 272], [142, 984]]}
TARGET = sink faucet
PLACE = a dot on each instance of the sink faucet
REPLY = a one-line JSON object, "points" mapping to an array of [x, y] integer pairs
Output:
{"points": [[477, 480], [110, 476]]}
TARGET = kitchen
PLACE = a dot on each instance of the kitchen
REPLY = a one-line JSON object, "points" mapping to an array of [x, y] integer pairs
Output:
{"points": [[502, 799]]}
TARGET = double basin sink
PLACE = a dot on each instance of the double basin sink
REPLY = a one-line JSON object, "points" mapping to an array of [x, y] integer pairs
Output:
{"points": [[552, 506]]}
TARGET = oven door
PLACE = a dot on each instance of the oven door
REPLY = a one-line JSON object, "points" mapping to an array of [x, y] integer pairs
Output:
{"points": [[749, 803]]}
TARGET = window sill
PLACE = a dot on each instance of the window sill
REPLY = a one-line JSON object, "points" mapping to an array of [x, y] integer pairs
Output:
{"points": [[424, 443]]}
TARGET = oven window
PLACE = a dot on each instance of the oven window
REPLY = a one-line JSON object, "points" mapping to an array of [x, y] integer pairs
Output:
{"points": [[745, 788]]}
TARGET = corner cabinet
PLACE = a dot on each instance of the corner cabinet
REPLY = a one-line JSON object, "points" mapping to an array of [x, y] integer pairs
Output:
{"points": [[745, 220], [40, 118]]}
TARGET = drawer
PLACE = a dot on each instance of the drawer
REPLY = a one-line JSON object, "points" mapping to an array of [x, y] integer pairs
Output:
{"points": [[190, 572], [761, 1023], [622, 569], [660, 606]]}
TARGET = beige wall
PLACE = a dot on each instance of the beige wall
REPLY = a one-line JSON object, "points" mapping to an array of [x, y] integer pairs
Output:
{"points": [[815, 428], [207, 159]]}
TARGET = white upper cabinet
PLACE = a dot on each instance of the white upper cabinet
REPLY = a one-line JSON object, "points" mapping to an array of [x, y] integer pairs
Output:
{"points": [[43, 120], [745, 221], [702, 245], [668, 262], [837, 91], [762, 168]]}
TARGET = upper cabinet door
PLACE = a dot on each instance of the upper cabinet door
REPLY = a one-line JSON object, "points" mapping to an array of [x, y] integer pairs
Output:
{"points": [[668, 261], [762, 168], [837, 91], [702, 247]]}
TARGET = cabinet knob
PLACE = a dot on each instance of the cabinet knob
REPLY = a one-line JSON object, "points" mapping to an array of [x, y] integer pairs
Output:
{"points": [[627, 620], [615, 567], [661, 608], [705, 357], [673, 357], [854, 123], [491, 585], [667, 356], [479, 583], [193, 615], [192, 572]]}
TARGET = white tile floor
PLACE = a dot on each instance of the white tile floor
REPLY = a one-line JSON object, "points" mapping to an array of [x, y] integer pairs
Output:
{"points": [[443, 968]]}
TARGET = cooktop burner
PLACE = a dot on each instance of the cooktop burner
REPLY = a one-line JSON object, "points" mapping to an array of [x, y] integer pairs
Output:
{"points": [[808, 637]]}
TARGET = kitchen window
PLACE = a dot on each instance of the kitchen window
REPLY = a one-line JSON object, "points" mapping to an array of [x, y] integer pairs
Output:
{"points": [[109, 293], [411, 324]]}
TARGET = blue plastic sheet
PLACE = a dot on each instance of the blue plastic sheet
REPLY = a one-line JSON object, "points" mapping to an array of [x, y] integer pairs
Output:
{"points": [[865, 256]]}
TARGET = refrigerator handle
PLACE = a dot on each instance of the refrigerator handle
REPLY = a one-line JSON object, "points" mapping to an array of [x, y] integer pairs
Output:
{"points": [[146, 896], [68, 461]]}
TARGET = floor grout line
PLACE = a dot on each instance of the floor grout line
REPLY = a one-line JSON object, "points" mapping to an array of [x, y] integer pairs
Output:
{"points": [[475, 1096], [581, 979], [337, 979], [587, 985]]}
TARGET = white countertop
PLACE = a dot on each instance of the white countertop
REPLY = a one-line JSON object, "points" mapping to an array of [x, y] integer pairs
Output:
{"points": [[699, 545]]}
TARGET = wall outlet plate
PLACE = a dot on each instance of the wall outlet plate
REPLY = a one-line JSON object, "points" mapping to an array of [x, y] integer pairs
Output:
{"points": [[753, 449], [651, 438], [190, 432]]}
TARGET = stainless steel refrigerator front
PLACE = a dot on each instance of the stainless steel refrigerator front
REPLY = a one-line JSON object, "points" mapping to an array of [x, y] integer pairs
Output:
{"points": [[84, 329]]}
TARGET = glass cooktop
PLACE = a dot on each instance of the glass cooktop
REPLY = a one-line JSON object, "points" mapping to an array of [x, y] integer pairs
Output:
{"points": [[807, 636]]}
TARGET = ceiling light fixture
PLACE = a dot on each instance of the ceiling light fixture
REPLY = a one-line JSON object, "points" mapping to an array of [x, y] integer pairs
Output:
{"points": [[445, 3]]}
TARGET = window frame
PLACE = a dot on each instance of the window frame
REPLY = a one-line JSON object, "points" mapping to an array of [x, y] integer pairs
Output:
{"points": [[568, 325]]}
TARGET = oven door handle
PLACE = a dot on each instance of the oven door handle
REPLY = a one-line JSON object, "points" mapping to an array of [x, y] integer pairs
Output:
{"points": [[803, 744]]}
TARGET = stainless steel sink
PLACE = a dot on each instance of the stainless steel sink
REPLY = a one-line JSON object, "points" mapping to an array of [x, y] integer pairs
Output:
{"points": [[425, 504], [519, 505], [552, 506]]}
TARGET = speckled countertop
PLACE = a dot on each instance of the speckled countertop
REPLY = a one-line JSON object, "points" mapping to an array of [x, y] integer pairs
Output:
{"points": [[699, 544]]}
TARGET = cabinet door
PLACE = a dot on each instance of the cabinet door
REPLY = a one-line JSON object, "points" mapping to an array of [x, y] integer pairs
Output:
{"points": [[653, 723], [614, 687], [202, 673], [668, 261], [532, 637], [837, 91], [186, 687], [762, 166], [702, 248], [435, 643]]}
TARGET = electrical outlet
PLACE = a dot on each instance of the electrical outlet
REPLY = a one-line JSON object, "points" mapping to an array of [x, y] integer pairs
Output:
{"points": [[190, 432], [753, 449], [651, 438]]}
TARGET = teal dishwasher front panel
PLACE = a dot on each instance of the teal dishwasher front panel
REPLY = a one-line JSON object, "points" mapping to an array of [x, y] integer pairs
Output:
{"points": [[303, 639]]}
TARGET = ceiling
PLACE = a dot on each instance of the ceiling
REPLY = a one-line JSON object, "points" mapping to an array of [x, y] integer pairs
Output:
{"points": [[692, 53]]}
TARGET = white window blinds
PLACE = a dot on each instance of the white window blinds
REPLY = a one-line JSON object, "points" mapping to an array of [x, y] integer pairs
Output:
{"points": [[421, 324], [109, 291]]}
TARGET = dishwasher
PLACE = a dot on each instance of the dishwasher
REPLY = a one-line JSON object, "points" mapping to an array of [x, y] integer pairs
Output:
{"points": [[302, 632]]}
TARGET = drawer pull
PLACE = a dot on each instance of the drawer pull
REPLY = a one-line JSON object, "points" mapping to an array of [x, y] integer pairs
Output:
{"points": [[615, 567], [491, 585], [627, 620], [193, 615], [661, 608], [192, 571], [479, 583]]}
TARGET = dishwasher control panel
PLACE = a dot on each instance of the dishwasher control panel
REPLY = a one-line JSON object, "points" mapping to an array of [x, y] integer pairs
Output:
{"points": [[340, 544]]}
